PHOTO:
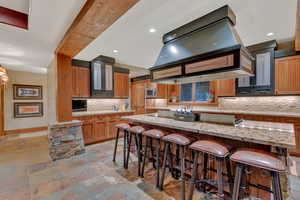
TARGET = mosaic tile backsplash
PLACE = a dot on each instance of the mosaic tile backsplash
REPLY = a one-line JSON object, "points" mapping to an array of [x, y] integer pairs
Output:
{"points": [[106, 104], [275, 103]]}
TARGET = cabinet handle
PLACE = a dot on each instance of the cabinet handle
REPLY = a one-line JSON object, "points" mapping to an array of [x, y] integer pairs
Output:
{"points": [[262, 92]]}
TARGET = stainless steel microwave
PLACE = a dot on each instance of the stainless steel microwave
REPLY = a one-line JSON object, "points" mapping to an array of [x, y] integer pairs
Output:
{"points": [[151, 92]]}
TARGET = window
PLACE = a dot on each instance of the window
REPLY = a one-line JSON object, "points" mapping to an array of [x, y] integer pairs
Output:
{"points": [[186, 92], [202, 91], [194, 92]]}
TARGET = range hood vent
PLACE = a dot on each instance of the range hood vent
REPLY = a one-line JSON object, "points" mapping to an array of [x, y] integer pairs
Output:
{"points": [[207, 48]]}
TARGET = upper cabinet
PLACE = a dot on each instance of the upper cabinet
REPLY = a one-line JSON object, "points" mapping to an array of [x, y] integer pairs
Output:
{"points": [[225, 88], [121, 85], [173, 93], [263, 81], [81, 80], [102, 77], [287, 75], [99, 79], [161, 89]]}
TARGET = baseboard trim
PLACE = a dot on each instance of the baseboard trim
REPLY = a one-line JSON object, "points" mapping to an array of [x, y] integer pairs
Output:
{"points": [[25, 130]]}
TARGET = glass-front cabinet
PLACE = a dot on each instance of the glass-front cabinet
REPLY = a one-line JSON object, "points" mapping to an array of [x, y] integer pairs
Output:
{"points": [[102, 77], [263, 81]]}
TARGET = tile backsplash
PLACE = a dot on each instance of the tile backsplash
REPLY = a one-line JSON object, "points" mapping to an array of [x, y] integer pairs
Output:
{"points": [[105, 104], [156, 102], [273, 103]]}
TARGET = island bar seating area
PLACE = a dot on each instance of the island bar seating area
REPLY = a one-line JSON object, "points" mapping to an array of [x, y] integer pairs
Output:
{"points": [[225, 160]]}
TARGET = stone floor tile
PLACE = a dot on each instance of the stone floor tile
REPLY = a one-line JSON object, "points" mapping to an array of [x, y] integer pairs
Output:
{"points": [[27, 173]]}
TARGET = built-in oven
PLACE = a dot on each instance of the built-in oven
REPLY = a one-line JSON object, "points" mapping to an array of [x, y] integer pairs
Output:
{"points": [[151, 92], [79, 105]]}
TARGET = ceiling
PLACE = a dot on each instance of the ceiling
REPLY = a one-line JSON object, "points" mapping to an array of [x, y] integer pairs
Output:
{"points": [[136, 46], [33, 50]]}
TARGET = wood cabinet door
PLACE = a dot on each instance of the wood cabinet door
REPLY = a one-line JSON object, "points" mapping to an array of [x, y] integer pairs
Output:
{"points": [[112, 131], [118, 82], [121, 85], [162, 91], [80, 82], [99, 130], [225, 88], [138, 95], [125, 85], [173, 90], [84, 82], [88, 131], [149, 84], [287, 75], [75, 88]]}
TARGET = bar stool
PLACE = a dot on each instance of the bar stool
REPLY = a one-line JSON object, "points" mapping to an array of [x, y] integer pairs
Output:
{"points": [[137, 132], [182, 141], [262, 160], [219, 152], [150, 135], [121, 127]]}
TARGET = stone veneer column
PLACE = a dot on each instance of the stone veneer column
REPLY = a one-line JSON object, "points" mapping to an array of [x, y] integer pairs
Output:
{"points": [[65, 140]]}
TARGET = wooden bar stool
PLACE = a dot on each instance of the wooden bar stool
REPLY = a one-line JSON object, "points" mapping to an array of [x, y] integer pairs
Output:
{"points": [[121, 127], [219, 152], [182, 141], [150, 135], [262, 160], [137, 132]]}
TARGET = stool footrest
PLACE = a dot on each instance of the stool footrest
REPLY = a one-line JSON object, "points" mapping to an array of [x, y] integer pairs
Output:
{"points": [[261, 187], [215, 171], [212, 183]]}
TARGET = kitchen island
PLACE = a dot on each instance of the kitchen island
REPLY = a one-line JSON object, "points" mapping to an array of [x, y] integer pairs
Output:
{"points": [[267, 136]]}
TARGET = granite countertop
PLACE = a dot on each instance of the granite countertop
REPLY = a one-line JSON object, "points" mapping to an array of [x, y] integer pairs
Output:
{"points": [[217, 110], [99, 112], [284, 138]]}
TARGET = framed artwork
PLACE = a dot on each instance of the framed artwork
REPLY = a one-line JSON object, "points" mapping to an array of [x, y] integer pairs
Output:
{"points": [[28, 92], [28, 109]]}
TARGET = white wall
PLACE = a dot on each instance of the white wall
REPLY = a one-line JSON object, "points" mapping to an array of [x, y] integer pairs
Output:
{"points": [[52, 89], [28, 78]]}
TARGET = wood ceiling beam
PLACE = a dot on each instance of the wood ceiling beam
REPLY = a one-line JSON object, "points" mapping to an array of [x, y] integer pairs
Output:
{"points": [[13, 18], [297, 40], [94, 18]]}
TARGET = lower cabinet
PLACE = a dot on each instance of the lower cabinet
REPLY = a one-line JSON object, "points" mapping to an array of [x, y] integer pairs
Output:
{"points": [[88, 130], [112, 129], [98, 128]]}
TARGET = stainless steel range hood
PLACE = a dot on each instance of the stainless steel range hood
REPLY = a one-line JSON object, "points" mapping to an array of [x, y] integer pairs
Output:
{"points": [[207, 48]]}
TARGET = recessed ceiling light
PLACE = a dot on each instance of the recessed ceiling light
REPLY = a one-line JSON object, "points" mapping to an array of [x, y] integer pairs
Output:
{"points": [[152, 30], [115, 51], [270, 34]]}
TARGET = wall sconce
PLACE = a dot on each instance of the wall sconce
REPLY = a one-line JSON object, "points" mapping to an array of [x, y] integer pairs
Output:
{"points": [[3, 76]]}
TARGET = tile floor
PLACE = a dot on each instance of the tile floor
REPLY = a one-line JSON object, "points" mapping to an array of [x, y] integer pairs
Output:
{"points": [[26, 173]]}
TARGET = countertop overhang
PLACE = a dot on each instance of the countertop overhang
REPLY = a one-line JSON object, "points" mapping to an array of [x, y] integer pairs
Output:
{"points": [[283, 139], [242, 112]]}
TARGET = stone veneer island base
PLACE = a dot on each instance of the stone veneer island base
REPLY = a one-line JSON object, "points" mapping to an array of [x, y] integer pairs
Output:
{"points": [[65, 140]]}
